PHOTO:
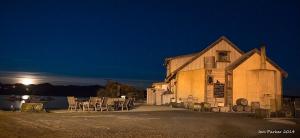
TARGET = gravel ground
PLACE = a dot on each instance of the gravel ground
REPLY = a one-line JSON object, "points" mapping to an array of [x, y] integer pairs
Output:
{"points": [[145, 121]]}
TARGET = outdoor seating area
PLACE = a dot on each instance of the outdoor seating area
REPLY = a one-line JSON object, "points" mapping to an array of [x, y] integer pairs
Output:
{"points": [[100, 104]]}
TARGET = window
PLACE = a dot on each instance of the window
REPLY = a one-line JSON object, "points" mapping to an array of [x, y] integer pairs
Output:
{"points": [[223, 56]]}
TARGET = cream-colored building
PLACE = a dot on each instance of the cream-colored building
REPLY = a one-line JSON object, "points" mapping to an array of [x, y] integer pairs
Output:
{"points": [[221, 73]]}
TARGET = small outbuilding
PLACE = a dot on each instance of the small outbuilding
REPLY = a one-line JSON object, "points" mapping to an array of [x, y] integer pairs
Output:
{"points": [[159, 94]]}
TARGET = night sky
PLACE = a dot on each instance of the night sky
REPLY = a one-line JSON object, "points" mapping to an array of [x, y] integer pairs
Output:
{"points": [[128, 40]]}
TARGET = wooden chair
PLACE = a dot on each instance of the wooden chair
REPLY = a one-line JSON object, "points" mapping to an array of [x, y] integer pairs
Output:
{"points": [[103, 104], [93, 102], [197, 106], [85, 106], [192, 103], [125, 104], [120, 103], [72, 103], [110, 104], [98, 104], [131, 102]]}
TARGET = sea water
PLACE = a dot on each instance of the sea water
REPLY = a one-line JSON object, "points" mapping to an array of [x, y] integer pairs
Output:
{"points": [[56, 102]]}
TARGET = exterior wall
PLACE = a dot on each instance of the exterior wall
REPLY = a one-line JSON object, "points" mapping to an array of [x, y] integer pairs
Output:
{"points": [[158, 94], [191, 83], [222, 45], [257, 85], [158, 98], [160, 86], [199, 62], [150, 96]]}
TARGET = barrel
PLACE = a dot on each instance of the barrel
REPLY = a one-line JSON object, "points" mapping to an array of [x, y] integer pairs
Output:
{"points": [[262, 113], [224, 109], [247, 109], [242, 101], [209, 62], [254, 106], [237, 108], [215, 109]]}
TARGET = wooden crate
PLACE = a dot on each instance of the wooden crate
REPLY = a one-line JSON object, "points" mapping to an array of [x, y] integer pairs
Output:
{"points": [[262, 113], [224, 109]]}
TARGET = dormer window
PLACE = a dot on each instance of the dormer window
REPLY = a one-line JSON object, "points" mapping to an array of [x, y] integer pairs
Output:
{"points": [[223, 56]]}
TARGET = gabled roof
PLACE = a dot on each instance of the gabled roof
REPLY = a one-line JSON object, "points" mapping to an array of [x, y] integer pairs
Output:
{"points": [[180, 56], [209, 47], [244, 57], [240, 60], [196, 55]]}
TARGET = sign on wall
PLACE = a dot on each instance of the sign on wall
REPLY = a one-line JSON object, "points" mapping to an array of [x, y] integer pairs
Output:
{"points": [[218, 90]]}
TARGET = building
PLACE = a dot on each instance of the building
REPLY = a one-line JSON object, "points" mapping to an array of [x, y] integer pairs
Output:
{"points": [[159, 94], [222, 73]]}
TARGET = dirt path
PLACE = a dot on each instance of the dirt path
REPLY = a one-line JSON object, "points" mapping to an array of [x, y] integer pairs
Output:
{"points": [[144, 123]]}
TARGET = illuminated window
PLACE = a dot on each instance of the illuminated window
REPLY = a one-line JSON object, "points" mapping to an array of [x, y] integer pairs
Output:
{"points": [[223, 56]]}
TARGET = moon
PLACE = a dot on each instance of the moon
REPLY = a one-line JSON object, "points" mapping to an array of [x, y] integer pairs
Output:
{"points": [[27, 81]]}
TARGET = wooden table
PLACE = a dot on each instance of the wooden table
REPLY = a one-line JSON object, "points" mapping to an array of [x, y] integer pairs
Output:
{"points": [[118, 104]]}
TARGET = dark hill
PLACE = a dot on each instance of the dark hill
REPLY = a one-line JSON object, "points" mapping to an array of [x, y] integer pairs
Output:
{"points": [[47, 89], [111, 89]]}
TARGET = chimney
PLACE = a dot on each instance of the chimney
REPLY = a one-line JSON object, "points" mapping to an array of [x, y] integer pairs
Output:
{"points": [[263, 57]]}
